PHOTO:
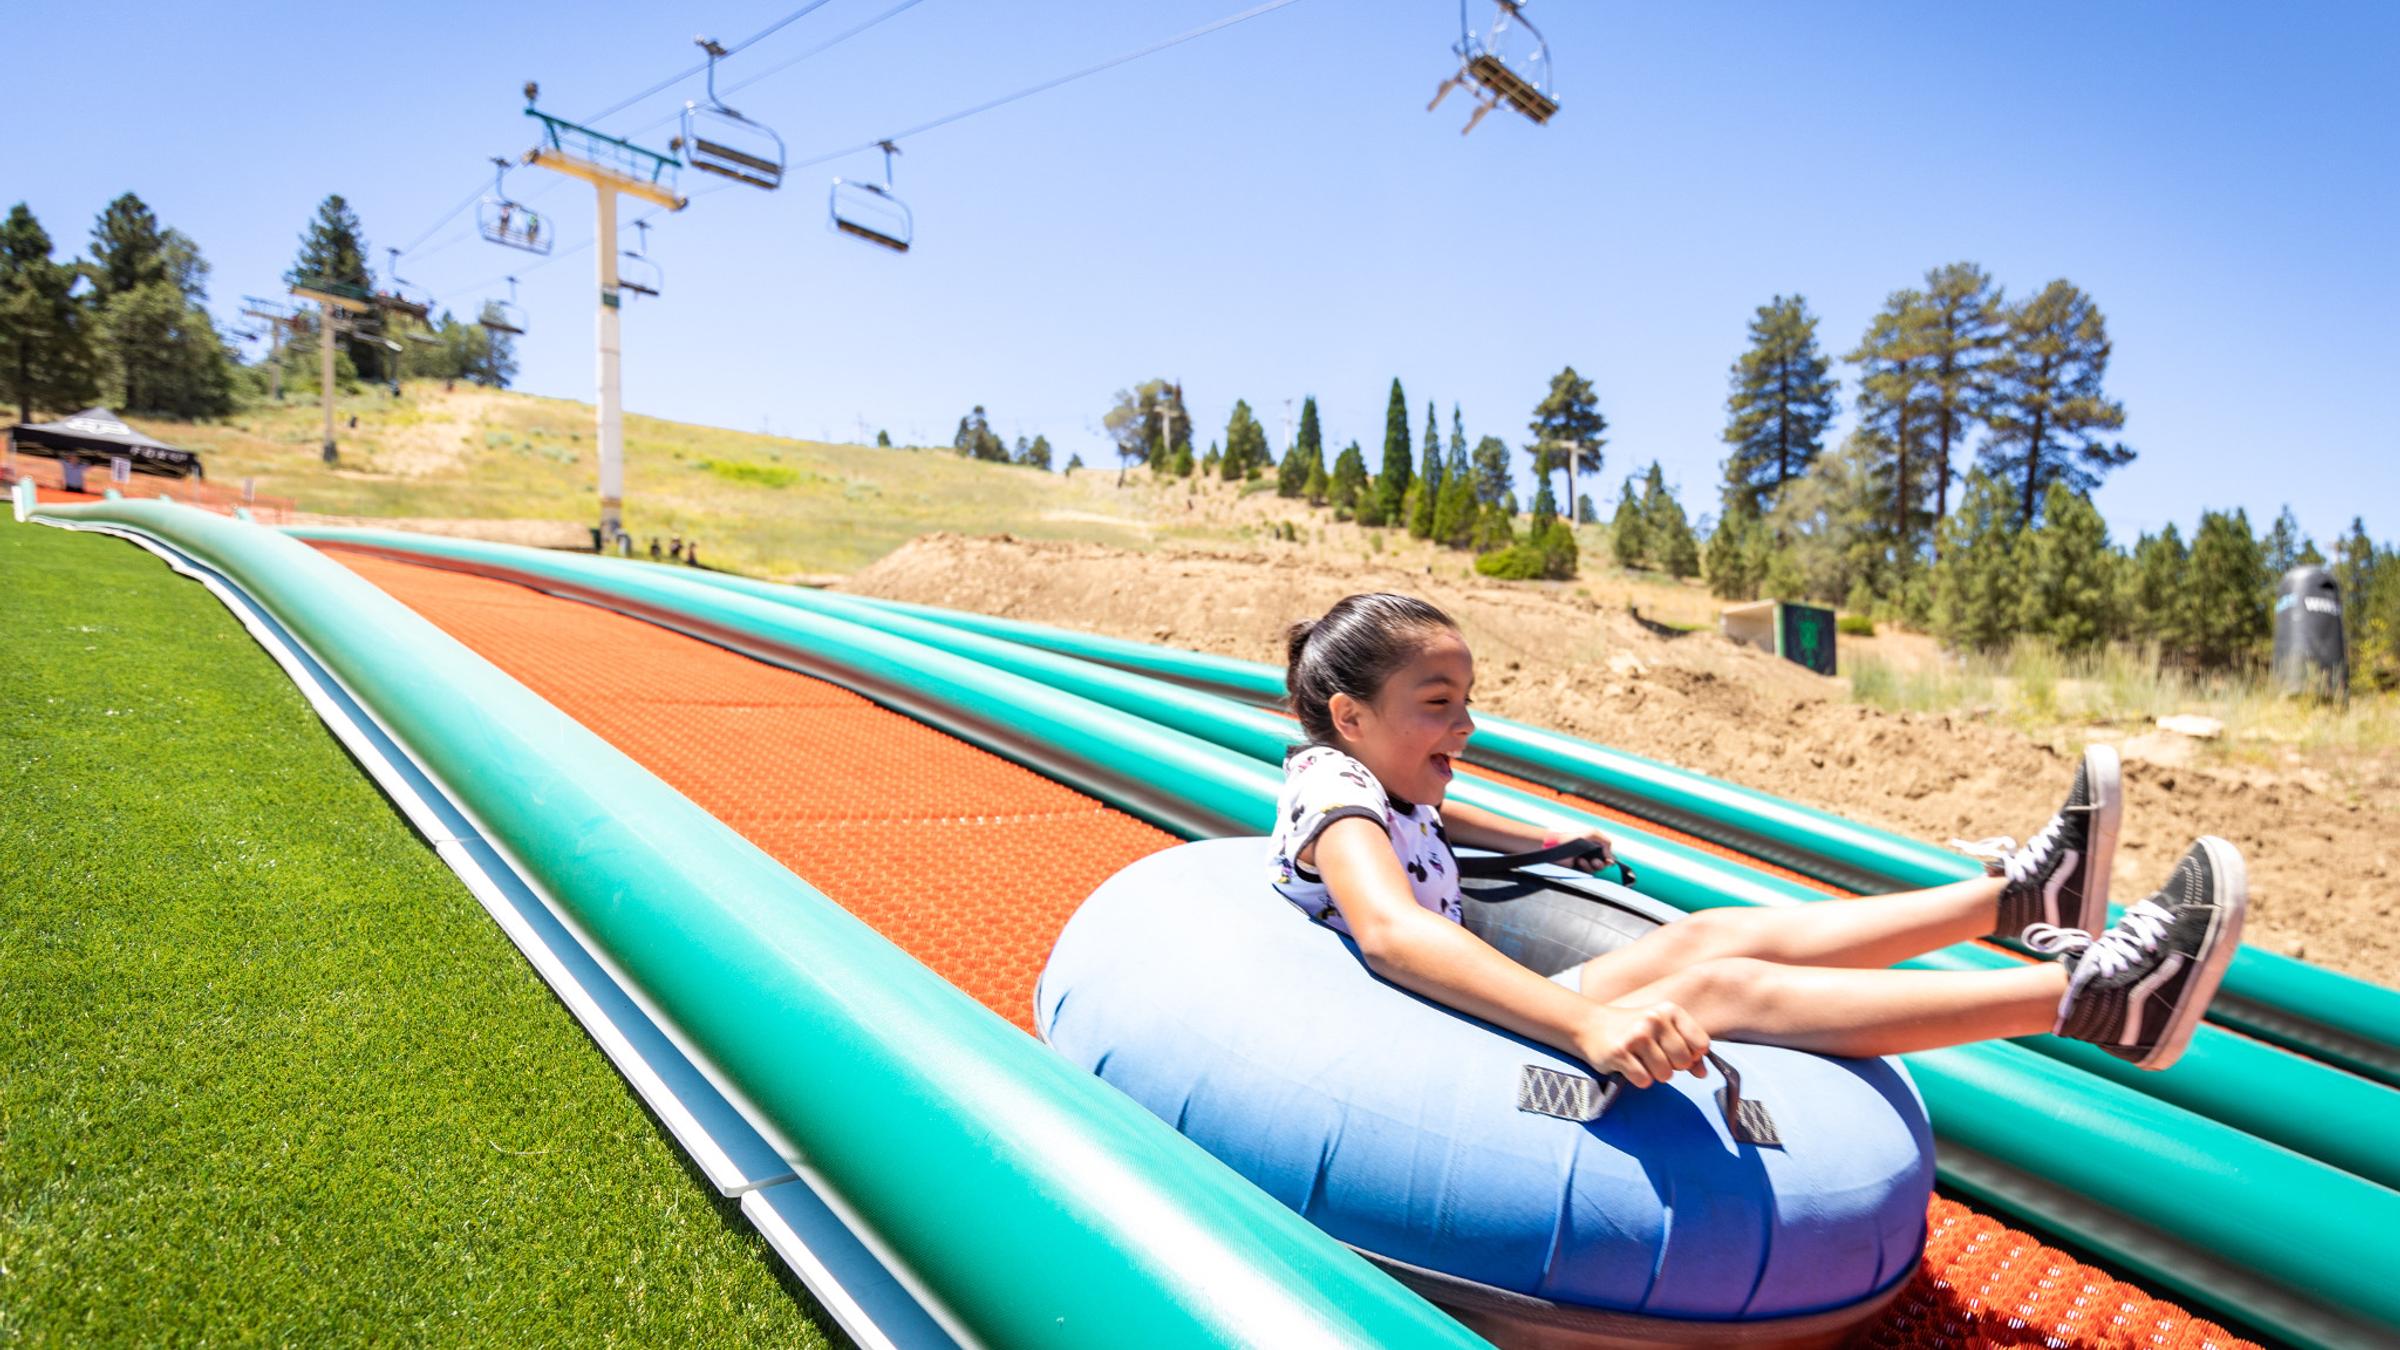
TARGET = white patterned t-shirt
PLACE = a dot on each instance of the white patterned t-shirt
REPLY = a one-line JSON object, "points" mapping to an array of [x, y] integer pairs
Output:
{"points": [[1322, 785]]}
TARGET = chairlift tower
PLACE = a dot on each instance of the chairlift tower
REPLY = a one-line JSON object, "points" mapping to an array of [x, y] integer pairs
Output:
{"points": [[612, 167], [279, 319], [335, 302]]}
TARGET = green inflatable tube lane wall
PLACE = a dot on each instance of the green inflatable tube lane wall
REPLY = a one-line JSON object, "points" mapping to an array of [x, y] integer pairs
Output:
{"points": [[2228, 1235], [1025, 1200], [2319, 1012]]}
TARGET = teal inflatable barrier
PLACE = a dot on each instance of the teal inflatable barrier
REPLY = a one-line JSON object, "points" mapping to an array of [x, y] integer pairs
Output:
{"points": [[1024, 1202], [2261, 1232], [2224, 1076], [2330, 1016]]}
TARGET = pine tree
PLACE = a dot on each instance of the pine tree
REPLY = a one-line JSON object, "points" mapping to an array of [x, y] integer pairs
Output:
{"points": [[1306, 461], [1349, 492], [1895, 402], [2067, 587], [1493, 528], [333, 251], [1545, 506], [2286, 547], [1666, 534], [2046, 409], [1569, 430], [1429, 481], [128, 249], [1962, 331], [1245, 444], [1737, 555], [1491, 470], [1320, 483], [2157, 605], [45, 348], [1975, 583], [1454, 510], [1391, 482], [975, 439], [1037, 454], [1074, 462], [883, 440], [2228, 591], [1625, 535], [1783, 398], [2353, 562]]}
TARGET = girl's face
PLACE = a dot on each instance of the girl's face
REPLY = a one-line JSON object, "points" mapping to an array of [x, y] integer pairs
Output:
{"points": [[1417, 724]]}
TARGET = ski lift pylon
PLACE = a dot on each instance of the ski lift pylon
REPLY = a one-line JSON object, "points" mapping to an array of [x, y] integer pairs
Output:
{"points": [[503, 316], [872, 211], [635, 270], [508, 222], [716, 139], [1509, 62]]}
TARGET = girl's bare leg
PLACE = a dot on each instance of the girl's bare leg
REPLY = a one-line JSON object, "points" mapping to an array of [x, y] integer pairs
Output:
{"points": [[1871, 933], [1859, 1012]]}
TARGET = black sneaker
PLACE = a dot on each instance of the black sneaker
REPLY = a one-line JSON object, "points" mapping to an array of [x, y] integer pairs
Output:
{"points": [[2060, 878], [2137, 990]]}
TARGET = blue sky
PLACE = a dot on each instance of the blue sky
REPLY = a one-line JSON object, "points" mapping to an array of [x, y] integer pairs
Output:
{"points": [[1269, 211]]}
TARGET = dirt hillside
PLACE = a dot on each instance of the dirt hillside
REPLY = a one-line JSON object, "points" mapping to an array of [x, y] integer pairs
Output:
{"points": [[2321, 845]]}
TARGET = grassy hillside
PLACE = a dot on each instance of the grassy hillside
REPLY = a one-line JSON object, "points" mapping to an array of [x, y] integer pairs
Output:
{"points": [[764, 504]]}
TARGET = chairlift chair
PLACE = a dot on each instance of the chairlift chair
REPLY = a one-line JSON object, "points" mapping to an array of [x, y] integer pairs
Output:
{"points": [[503, 316], [635, 271], [508, 222], [401, 297], [871, 211], [1509, 62], [716, 139]]}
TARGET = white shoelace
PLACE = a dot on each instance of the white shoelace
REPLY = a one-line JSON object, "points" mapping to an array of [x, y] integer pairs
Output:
{"points": [[2135, 936], [2017, 864]]}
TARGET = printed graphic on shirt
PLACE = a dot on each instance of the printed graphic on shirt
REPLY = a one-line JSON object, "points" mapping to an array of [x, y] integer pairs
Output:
{"points": [[1322, 785]]}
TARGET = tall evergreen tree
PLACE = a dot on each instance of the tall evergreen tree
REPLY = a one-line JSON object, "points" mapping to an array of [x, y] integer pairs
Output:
{"points": [[46, 358], [2228, 591], [2046, 409], [2066, 591], [2287, 547], [975, 438], [1454, 510], [1491, 471], [1391, 482], [2157, 605], [333, 250], [1783, 398], [1625, 535], [1569, 430], [2353, 562], [1349, 487], [1736, 562], [1457, 465], [1037, 454], [1320, 483], [1975, 583], [1666, 532], [1962, 331], [128, 249], [1245, 444], [1896, 395], [1306, 460], [1429, 480]]}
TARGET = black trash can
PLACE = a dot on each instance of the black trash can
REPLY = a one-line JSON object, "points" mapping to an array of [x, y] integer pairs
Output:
{"points": [[2310, 657]]}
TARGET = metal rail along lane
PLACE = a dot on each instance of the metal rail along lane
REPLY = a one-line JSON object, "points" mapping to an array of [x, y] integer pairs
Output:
{"points": [[2267, 1234], [2342, 1020], [1092, 1225]]}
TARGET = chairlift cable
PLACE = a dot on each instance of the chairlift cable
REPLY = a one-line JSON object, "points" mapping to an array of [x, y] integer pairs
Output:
{"points": [[777, 69], [1045, 86], [680, 76]]}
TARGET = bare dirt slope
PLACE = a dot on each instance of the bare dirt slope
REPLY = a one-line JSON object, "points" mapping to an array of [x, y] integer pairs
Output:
{"points": [[2321, 846]]}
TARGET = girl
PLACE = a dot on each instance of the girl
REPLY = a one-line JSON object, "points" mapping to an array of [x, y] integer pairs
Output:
{"points": [[1362, 843]]}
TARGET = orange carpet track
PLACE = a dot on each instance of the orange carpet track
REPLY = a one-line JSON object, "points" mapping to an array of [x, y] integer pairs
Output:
{"points": [[973, 864]]}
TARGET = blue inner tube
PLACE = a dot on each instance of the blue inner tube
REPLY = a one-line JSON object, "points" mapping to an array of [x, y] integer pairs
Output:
{"points": [[1393, 1124]]}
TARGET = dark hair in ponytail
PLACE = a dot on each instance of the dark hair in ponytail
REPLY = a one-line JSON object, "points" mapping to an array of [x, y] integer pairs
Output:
{"points": [[1352, 650]]}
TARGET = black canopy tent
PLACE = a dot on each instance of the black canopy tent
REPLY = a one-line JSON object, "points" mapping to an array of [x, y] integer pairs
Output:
{"points": [[96, 436]]}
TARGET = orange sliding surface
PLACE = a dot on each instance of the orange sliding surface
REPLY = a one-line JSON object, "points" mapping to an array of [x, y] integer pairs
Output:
{"points": [[973, 864]]}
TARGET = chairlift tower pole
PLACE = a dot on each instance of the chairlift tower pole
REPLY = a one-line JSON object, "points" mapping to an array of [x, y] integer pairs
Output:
{"points": [[612, 166], [333, 300]]}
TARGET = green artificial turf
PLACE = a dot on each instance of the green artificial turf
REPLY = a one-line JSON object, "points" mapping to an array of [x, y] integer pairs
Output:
{"points": [[267, 1071]]}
